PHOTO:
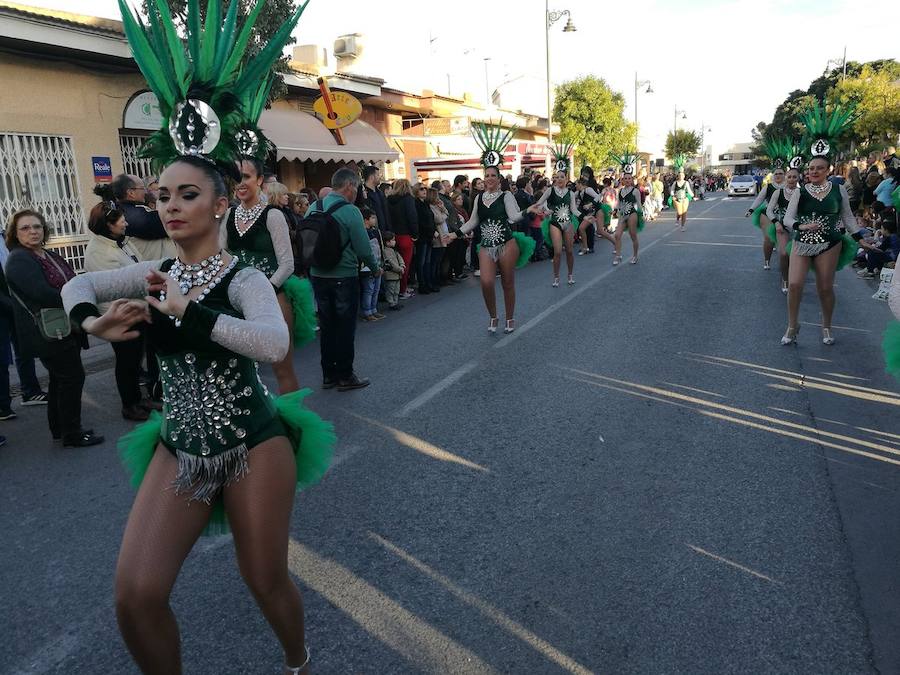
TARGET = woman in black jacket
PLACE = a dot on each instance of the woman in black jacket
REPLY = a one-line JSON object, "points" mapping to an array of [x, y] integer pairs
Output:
{"points": [[423, 243], [35, 277], [405, 221]]}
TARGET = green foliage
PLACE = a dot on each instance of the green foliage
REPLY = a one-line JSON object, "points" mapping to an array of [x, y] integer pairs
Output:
{"points": [[682, 142], [272, 16], [590, 116], [877, 97]]}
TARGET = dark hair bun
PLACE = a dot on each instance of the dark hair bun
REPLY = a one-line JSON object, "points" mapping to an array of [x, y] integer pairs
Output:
{"points": [[104, 191]]}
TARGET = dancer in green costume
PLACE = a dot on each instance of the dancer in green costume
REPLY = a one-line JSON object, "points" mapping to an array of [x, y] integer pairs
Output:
{"points": [[559, 205], [682, 193], [818, 212], [224, 453], [500, 248], [779, 152], [776, 232], [631, 215]]}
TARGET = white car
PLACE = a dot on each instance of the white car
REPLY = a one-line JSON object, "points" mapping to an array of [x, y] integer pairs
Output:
{"points": [[742, 186]]}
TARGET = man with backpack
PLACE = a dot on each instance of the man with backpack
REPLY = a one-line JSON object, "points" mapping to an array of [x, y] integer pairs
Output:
{"points": [[333, 240]]}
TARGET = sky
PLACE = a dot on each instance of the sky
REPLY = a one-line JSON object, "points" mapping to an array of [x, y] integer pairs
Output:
{"points": [[726, 64]]}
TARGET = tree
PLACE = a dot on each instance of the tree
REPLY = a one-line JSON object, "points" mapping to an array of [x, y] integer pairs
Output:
{"points": [[877, 97], [590, 114], [682, 142], [274, 13]]}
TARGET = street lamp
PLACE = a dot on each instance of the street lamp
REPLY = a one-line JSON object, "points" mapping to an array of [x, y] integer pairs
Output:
{"points": [[637, 85], [703, 130], [838, 63], [677, 113], [551, 18], [487, 89]]}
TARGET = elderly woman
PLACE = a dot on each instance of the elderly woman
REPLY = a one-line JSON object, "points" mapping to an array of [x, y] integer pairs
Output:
{"points": [[35, 276], [109, 249]]}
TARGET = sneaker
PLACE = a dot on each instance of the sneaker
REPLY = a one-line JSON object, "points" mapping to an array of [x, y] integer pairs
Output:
{"points": [[378, 316], [7, 414], [865, 274], [353, 382], [460, 277], [477, 273], [82, 439], [37, 399]]}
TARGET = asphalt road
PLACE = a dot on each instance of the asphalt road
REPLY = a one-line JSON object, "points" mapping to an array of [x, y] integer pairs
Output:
{"points": [[641, 479]]}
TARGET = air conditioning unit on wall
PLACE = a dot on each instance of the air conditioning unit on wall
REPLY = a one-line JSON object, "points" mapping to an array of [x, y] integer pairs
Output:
{"points": [[348, 46]]}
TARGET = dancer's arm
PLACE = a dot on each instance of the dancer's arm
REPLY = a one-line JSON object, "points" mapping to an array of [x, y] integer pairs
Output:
{"points": [[790, 215], [573, 204], [473, 221], [538, 206], [590, 192], [513, 213], [760, 198], [772, 205], [277, 226], [847, 215], [82, 294], [262, 334]]}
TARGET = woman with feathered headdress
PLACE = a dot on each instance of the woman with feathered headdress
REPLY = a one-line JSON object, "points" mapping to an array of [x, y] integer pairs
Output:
{"points": [[779, 151], [494, 210], [819, 212], [777, 233], [559, 207], [631, 214], [224, 453], [682, 194]]}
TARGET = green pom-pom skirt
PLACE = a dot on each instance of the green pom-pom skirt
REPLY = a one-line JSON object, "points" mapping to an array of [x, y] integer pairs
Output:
{"points": [[300, 294]]}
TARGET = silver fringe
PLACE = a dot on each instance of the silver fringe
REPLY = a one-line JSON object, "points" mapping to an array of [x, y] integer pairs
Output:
{"points": [[495, 251], [805, 249], [205, 476]]}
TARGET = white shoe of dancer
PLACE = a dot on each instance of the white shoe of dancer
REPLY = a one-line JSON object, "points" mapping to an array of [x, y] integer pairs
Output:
{"points": [[634, 260], [556, 282], [617, 259], [571, 280], [790, 337], [510, 326], [784, 287], [827, 337], [492, 327]]}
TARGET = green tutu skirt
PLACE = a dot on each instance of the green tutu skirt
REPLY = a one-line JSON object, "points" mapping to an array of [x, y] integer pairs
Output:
{"points": [[300, 294], [757, 214], [771, 234], [312, 438], [849, 247], [891, 346], [526, 248], [607, 214]]}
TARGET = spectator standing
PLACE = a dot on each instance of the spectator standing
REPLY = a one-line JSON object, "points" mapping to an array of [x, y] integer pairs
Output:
{"points": [[145, 230], [32, 394], [477, 187], [35, 277], [337, 288], [109, 249], [375, 199], [405, 226], [854, 188], [151, 185], [441, 219], [393, 270], [427, 231], [461, 185], [457, 249], [890, 159], [369, 283], [886, 187]]}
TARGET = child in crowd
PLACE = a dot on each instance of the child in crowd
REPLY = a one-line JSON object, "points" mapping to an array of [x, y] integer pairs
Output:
{"points": [[393, 270], [884, 249], [370, 284]]}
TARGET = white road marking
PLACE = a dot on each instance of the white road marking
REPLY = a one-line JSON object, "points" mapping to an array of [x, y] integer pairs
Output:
{"points": [[437, 388]]}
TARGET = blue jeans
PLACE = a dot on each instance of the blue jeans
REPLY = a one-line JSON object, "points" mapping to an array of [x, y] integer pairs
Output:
{"points": [[434, 268], [370, 285], [338, 303], [423, 265], [28, 381]]}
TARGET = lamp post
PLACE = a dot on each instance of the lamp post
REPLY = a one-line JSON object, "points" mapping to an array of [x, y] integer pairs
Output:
{"points": [[703, 130], [637, 85], [487, 89], [551, 18], [675, 122]]}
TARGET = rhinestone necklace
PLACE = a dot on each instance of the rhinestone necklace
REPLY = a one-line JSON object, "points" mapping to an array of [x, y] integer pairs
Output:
{"points": [[198, 274], [247, 216], [816, 190], [488, 198], [215, 281]]}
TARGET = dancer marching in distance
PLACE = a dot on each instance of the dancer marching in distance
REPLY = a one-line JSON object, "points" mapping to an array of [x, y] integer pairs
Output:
{"points": [[493, 210], [223, 447], [631, 216], [817, 212], [559, 207], [779, 152], [777, 233], [592, 215], [682, 194]]}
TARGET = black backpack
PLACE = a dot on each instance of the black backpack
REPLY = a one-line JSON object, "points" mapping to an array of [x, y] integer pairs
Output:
{"points": [[319, 238]]}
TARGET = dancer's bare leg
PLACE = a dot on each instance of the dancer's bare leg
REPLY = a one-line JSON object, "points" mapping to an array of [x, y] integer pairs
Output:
{"points": [[556, 238], [583, 234], [784, 259], [507, 265], [826, 265], [797, 270], [259, 509], [284, 369], [488, 281], [570, 255], [161, 530], [768, 246], [617, 237], [632, 231]]}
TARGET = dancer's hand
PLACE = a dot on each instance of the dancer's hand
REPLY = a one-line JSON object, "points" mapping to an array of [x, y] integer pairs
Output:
{"points": [[116, 324], [447, 238], [175, 303]]}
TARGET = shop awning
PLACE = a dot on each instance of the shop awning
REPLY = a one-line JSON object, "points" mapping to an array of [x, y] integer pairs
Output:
{"points": [[299, 135], [458, 163]]}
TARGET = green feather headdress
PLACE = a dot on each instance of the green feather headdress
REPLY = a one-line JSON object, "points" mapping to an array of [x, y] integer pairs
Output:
{"points": [[823, 129], [208, 97], [679, 162], [627, 161], [780, 152], [492, 139], [562, 153]]}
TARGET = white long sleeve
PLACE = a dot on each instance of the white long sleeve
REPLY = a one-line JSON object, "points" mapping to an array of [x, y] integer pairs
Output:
{"points": [[772, 205], [590, 192], [277, 226], [261, 335], [790, 215], [513, 214], [760, 197]]}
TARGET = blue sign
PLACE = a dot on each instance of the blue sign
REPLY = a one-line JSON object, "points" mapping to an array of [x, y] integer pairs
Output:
{"points": [[102, 169]]}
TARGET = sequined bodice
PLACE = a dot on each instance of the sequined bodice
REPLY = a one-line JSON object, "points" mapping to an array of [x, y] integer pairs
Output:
{"points": [[586, 203], [781, 205], [679, 192], [560, 207], [494, 223], [627, 203], [826, 213], [254, 247]]}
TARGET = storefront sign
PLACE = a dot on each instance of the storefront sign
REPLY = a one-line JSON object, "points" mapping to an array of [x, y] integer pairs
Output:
{"points": [[102, 169], [339, 111], [142, 112]]}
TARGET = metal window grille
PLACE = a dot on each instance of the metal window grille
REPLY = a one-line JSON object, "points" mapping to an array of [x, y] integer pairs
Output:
{"points": [[130, 145], [39, 172]]}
